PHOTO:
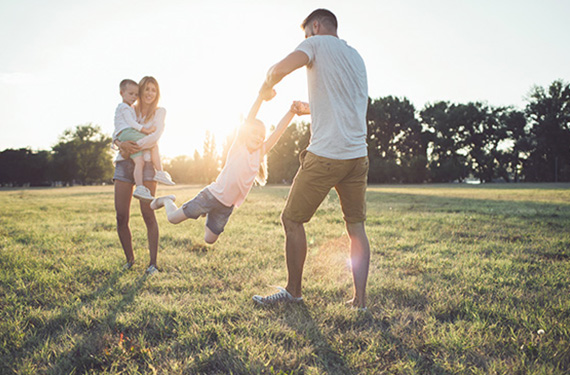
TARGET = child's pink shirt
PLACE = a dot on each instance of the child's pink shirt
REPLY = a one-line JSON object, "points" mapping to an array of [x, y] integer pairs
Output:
{"points": [[236, 179]]}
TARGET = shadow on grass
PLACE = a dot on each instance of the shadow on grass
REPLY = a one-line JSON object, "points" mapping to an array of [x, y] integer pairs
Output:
{"points": [[86, 353], [298, 317], [66, 324]]}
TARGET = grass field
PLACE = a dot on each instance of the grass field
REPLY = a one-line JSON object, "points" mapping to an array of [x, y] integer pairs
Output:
{"points": [[462, 279]]}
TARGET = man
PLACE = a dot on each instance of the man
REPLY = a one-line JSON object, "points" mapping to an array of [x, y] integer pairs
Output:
{"points": [[336, 155]]}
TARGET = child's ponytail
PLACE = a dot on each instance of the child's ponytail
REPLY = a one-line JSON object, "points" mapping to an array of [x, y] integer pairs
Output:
{"points": [[261, 178]]}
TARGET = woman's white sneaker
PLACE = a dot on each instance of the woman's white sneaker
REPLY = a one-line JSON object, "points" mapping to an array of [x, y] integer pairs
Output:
{"points": [[151, 270]]}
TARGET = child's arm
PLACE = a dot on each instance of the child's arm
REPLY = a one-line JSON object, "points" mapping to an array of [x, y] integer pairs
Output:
{"points": [[279, 130], [301, 108], [131, 119], [255, 107]]}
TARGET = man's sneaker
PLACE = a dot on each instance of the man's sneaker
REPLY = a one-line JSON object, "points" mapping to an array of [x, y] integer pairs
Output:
{"points": [[151, 270], [142, 193], [164, 178], [159, 202], [128, 265], [281, 296]]}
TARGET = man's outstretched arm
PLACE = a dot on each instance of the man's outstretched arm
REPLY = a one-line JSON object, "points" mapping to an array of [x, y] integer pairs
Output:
{"points": [[277, 72]]}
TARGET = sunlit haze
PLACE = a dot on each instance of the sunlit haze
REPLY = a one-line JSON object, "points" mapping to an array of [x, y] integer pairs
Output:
{"points": [[62, 61]]}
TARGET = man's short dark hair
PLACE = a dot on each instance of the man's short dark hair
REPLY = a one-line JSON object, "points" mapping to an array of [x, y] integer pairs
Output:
{"points": [[322, 15], [125, 82]]}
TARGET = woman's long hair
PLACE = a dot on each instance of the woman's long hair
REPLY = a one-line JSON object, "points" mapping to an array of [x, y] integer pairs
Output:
{"points": [[151, 110]]}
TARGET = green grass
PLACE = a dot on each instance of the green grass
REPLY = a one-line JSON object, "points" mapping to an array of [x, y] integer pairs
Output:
{"points": [[462, 277]]}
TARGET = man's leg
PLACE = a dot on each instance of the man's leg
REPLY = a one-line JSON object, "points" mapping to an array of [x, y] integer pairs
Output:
{"points": [[360, 260], [295, 254]]}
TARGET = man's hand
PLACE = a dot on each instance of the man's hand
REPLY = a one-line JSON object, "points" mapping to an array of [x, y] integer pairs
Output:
{"points": [[300, 108], [266, 92], [127, 148]]}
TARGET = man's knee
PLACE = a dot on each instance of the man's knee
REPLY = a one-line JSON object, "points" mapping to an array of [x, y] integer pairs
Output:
{"points": [[290, 225], [356, 229]]}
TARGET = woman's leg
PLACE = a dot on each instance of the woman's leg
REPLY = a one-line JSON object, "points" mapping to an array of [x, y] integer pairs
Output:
{"points": [[151, 224], [123, 194], [155, 157]]}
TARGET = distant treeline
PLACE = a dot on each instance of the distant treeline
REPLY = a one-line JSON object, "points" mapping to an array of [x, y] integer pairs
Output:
{"points": [[441, 143]]}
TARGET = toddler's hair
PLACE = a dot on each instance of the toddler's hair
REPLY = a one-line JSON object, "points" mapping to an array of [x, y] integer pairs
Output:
{"points": [[125, 82]]}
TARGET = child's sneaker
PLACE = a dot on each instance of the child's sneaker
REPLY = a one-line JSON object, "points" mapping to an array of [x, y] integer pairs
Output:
{"points": [[159, 202], [281, 296], [141, 192], [128, 266], [164, 178]]}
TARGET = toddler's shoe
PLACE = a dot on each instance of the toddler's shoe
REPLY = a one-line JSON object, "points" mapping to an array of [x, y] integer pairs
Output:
{"points": [[164, 178], [159, 202], [141, 192]]}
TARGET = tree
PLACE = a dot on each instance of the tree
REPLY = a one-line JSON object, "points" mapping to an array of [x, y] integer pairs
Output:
{"points": [[83, 155], [24, 166], [447, 139], [549, 116], [510, 160], [283, 159], [396, 143], [210, 160]]}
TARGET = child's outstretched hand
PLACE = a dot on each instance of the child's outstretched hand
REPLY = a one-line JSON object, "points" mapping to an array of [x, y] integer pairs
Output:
{"points": [[300, 108]]}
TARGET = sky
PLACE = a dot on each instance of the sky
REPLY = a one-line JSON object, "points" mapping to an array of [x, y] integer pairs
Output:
{"points": [[62, 60]]}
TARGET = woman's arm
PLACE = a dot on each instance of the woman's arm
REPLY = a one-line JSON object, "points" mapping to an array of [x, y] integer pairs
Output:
{"points": [[126, 148], [152, 139]]}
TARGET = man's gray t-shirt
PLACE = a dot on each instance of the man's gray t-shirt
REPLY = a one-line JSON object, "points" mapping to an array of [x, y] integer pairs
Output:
{"points": [[338, 97]]}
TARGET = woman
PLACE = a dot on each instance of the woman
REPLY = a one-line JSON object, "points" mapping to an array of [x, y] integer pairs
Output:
{"points": [[148, 114]]}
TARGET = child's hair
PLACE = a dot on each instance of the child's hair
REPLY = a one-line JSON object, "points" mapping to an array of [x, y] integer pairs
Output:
{"points": [[152, 108], [246, 129], [261, 178], [125, 83]]}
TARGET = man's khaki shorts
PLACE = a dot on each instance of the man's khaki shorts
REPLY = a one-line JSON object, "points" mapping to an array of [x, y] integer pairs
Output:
{"points": [[317, 176]]}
